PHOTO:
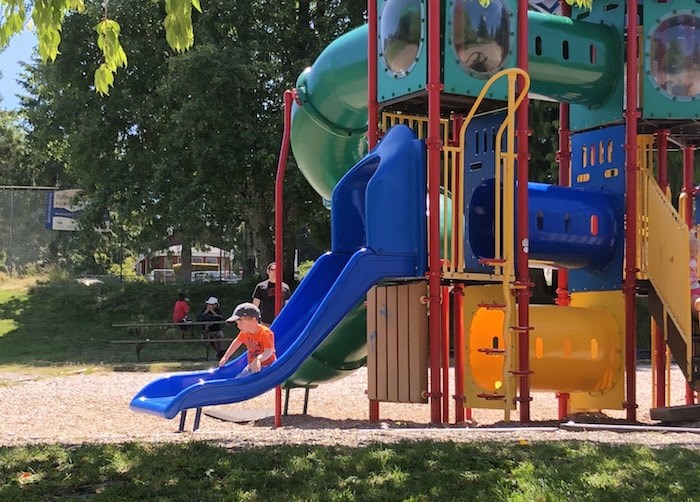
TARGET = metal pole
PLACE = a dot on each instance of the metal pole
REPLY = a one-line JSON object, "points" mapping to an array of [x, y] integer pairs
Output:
{"points": [[11, 250], [434, 148], [688, 168], [630, 279], [659, 342], [372, 112], [279, 223], [523, 235]]}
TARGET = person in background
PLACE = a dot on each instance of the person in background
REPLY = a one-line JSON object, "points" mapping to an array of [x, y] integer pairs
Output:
{"points": [[181, 309], [258, 339], [212, 312], [264, 295]]}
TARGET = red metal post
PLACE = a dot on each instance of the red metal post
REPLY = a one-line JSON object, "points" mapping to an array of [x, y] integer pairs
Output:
{"points": [[458, 330], [564, 158], [659, 343], [372, 117], [445, 352], [434, 147], [522, 245], [688, 184], [629, 286], [662, 159], [372, 105], [279, 225], [688, 153]]}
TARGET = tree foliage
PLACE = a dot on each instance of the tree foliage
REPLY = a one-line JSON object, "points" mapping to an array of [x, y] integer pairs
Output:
{"points": [[48, 17], [15, 168], [185, 145]]}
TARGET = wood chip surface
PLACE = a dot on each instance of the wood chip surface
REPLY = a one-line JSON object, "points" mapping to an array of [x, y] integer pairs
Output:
{"points": [[94, 408]]}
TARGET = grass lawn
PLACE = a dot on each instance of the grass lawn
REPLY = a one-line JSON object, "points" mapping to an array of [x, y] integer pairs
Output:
{"points": [[50, 328], [566, 471], [54, 327]]}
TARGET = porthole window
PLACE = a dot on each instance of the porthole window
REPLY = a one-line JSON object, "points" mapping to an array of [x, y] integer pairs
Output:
{"points": [[673, 59], [400, 35], [481, 36]]}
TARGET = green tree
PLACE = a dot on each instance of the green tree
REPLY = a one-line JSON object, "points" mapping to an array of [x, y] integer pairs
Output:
{"points": [[15, 167], [188, 144]]}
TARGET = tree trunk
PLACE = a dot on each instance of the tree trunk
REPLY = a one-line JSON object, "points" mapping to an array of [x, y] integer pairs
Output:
{"points": [[186, 261], [248, 264]]}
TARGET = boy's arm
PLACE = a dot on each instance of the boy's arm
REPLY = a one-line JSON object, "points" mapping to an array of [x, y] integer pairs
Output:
{"points": [[230, 351]]}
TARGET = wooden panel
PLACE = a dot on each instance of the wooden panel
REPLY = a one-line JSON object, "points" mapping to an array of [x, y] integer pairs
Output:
{"points": [[404, 345], [392, 345], [372, 343], [418, 344], [381, 344], [397, 353]]}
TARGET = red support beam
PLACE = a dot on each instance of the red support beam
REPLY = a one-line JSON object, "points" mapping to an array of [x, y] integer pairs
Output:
{"points": [[372, 117], [522, 245], [631, 167], [658, 341], [688, 189], [372, 105], [434, 149], [279, 224], [445, 352], [458, 319]]}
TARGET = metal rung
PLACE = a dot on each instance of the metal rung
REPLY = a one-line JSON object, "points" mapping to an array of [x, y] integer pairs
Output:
{"points": [[492, 305], [492, 352], [491, 261], [492, 397]]}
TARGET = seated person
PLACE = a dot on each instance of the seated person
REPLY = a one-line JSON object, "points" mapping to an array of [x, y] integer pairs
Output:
{"points": [[212, 312], [257, 338], [180, 311]]}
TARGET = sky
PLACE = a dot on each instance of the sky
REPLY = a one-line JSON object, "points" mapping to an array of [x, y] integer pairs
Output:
{"points": [[20, 49]]}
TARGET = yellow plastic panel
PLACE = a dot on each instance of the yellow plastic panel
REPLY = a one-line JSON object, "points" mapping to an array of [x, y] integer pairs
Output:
{"points": [[613, 303], [573, 349], [482, 371]]}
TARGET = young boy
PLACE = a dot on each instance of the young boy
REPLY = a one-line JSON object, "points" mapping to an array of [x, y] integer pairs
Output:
{"points": [[258, 339]]}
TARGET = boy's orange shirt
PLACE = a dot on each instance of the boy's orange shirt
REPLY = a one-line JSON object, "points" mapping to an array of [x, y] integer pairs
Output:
{"points": [[257, 342]]}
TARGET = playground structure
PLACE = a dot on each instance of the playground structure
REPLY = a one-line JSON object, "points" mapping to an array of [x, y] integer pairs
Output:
{"points": [[412, 116]]}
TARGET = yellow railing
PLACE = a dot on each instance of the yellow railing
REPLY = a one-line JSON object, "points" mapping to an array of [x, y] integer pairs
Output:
{"points": [[666, 249], [645, 161], [418, 123], [663, 248]]}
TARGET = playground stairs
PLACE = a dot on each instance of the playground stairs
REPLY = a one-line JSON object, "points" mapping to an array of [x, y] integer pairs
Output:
{"points": [[663, 258], [690, 366]]}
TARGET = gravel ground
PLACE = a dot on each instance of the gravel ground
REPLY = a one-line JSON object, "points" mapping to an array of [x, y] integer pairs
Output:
{"points": [[94, 408]]}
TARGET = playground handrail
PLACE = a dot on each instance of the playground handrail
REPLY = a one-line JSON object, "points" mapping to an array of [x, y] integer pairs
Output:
{"points": [[665, 252], [509, 155]]}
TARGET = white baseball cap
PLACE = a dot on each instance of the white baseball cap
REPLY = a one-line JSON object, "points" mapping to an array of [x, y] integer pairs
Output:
{"points": [[212, 300]]}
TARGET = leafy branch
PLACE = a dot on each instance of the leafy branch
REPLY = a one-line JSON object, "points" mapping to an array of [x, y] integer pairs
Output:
{"points": [[48, 15]]}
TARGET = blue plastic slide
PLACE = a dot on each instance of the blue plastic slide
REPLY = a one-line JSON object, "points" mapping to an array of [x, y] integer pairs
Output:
{"points": [[389, 185]]}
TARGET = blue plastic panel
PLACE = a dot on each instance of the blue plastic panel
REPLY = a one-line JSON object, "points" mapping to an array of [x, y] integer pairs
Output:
{"points": [[479, 169], [598, 165]]}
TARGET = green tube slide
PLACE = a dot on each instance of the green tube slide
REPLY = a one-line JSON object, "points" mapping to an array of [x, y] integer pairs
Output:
{"points": [[328, 138], [328, 130]]}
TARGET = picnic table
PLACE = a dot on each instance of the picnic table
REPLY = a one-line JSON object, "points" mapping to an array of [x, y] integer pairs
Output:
{"points": [[163, 334]]}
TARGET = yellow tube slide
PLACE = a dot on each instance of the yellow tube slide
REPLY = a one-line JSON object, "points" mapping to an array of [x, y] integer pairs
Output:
{"points": [[572, 349]]}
